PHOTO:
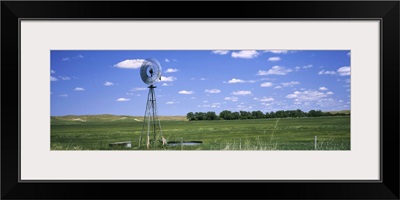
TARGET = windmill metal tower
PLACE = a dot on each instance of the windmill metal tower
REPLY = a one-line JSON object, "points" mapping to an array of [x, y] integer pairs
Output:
{"points": [[150, 72]]}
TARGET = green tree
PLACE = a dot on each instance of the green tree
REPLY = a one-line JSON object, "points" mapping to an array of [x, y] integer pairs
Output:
{"points": [[225, 114], [236, 115], [200, 116], [211, 116], [280, 114], [245, 115], [299, 113], [312, 113], [272, 114], [259, 114], [190, 116], [318, 113]]}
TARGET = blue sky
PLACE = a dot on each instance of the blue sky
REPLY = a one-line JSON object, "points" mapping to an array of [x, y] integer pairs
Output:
{"points": [[108, 82]]}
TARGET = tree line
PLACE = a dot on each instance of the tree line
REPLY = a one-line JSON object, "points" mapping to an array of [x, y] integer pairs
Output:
{"points": [[229, 115]]}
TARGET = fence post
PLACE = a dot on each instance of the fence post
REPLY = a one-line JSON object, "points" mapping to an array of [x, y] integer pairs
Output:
{"points": [[315, 142]]}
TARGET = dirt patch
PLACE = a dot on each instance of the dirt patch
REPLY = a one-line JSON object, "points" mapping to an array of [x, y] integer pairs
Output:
{"points": [[79, 119]]}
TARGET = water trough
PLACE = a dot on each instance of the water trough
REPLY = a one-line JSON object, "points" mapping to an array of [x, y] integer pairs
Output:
{"points": [[184, 143], [127, 144]]}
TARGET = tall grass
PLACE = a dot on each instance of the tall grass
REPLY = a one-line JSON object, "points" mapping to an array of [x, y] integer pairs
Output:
{"points": [[247, 144], [258, 134]]}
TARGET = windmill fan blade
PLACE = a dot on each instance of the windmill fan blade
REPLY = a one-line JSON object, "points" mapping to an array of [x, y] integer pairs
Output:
{"points": [[150, 71]]}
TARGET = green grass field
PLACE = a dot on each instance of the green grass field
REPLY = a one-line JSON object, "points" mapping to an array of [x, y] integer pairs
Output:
{"points": [[96, 132]]}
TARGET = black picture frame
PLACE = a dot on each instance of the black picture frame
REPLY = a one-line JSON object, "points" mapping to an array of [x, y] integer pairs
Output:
{"points": [[386, 11]]}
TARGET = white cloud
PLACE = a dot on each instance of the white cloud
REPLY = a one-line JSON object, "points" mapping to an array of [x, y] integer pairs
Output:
{"points": [[326, 72], [262, 72], [264, 99], [275, 70], [291, 96], [231, 98], [169, 102], [70, 58], [215, 105], [234, 80], [330, 104], [243, 106], [185, 92], [79, 89], [323, 88], [166, 60], [65, 78], [291, 83], [130, 64], [53, 78], [274, 59], [277, 51], [171, 70], [63, 95], [241, 92], [266, 84], [297, 68], [167, 78], [166, 84], [138, 89], [329, 93], [212, 91], [52, 71], [309, 95], [247, 54], [278, 87], [220, 52], [266, 104], [344, 71], [203, 79], [108, 83], [123, 99]]}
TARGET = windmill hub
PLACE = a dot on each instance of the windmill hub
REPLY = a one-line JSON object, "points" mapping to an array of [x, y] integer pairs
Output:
{"points": [[150, 72]]}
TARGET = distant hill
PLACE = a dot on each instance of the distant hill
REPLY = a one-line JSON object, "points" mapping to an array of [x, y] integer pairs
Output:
{"points": [[340, 111], [108, 117]]}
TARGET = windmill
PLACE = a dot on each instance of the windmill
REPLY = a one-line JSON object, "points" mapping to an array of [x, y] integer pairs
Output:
{"points": [[150, 72]]}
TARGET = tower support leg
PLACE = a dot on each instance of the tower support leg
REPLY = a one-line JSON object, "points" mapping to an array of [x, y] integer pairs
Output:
{"points": [[151, 121]]}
